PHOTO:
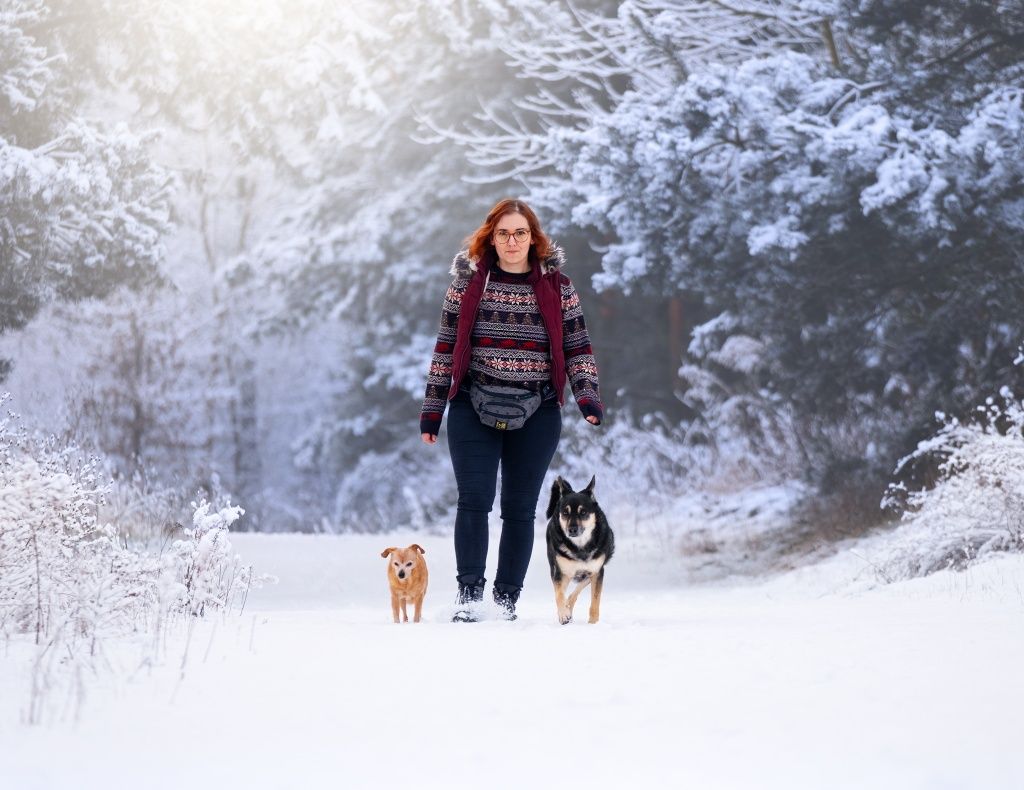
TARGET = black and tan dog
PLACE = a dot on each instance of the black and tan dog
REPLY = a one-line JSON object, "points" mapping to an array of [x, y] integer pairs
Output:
{"points": [[580, 543]]}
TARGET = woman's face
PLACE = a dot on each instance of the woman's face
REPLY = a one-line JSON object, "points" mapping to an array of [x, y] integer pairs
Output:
{"points": [[512, 252]]}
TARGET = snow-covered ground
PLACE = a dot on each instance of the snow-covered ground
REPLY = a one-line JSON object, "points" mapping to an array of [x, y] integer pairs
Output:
{"points": [[817, 678]]}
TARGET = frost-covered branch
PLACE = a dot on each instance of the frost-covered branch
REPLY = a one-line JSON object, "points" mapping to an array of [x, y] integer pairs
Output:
{"points": [[588, 64]]}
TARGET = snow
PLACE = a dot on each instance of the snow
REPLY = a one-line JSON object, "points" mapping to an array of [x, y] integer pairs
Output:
{"points": [[819, 677], [740, 353], [782, 233]]}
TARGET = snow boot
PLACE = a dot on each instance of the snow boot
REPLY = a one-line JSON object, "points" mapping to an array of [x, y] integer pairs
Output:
{"points": [[471, 592], [505, 597]]}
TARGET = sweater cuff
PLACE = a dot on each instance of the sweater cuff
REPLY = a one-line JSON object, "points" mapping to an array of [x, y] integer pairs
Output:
{"points": [[592, 408], [430, 423]]}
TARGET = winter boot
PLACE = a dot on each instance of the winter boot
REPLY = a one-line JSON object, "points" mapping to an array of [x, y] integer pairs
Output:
{"points": [[505, 597], [471, 592]]}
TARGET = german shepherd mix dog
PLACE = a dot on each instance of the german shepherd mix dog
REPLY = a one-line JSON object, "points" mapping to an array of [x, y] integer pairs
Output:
{"points": [[580, 543]]}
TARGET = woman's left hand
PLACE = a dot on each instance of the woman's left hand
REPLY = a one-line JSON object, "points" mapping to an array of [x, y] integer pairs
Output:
{"points": [[592, 419]]}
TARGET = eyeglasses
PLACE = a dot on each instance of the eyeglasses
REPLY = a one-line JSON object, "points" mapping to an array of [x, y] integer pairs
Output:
{"points": [[502, 236]]}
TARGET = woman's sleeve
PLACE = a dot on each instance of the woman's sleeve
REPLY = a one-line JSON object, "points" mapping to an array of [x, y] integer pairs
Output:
{"points": [[580, 365], [439, 377]]}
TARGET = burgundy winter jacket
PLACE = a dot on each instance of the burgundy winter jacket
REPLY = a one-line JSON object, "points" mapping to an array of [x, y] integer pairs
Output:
{"points": [[547, 287], [557, 306]]}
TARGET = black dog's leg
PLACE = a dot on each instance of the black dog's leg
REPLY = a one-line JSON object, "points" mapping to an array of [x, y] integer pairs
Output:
{"points": [[595, 596], [576, 593], [564, 610]]}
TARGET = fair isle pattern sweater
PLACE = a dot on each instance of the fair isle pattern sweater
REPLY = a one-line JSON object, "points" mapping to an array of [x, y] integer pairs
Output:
{"points": [[510, 345]]}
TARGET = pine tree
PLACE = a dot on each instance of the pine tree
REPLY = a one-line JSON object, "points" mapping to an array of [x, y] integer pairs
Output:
{"points": [[83, 207]]}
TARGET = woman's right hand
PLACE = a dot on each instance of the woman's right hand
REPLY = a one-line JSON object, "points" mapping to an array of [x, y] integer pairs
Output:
{"points": [[429, 438]]}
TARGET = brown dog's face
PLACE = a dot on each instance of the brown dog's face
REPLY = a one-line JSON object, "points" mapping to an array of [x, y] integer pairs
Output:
{"points": [[404, 561]]}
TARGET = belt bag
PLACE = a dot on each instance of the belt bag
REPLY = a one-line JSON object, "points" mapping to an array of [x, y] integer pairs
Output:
{"points": [[504, 408]]}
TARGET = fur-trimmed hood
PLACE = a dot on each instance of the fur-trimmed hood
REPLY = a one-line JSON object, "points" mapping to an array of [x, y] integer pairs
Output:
{"points": [[463, 267]]}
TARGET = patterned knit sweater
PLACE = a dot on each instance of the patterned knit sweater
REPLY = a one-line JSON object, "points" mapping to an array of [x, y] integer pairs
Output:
{"points": [[510, 345]]}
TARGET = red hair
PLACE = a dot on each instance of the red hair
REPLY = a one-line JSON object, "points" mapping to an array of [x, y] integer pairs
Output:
{"points": [[481, 246]]}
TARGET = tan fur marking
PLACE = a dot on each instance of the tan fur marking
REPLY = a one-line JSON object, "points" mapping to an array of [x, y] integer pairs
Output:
{"points": [[569, 569], [588, 525], [564, 612], [578, 590], [595, 597]]}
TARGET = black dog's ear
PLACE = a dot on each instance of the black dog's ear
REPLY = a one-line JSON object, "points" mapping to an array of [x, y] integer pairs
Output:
{"points": [[589, 490], [557, 489]]}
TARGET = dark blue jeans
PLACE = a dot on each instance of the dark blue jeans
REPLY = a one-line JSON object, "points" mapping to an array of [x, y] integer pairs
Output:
{"points": [[524, 455]]}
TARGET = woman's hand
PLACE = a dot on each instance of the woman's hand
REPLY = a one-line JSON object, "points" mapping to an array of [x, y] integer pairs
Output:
{"points": [[429, 438], [592, 419]]}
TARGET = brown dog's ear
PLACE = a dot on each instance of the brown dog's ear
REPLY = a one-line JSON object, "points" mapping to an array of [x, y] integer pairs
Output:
{"points": [[589, 490], [418, 548], [387, 552], [557, 488]]}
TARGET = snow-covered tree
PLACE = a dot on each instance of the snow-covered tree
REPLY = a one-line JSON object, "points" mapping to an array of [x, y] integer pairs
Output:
{"points": [[837, 183], [575, 138], [854, 200], [83, 206], [155, 401], [192, 407], [581, 64], [367, 245]]}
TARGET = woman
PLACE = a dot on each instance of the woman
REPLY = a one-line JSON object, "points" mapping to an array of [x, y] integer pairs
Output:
{"points": [[510, 318]]}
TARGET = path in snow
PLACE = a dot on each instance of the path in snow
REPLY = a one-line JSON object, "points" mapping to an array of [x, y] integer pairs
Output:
{"points": [[791, 682]]}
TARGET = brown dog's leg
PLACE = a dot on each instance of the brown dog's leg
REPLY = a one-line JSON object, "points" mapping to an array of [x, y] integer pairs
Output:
{"points": [[419, 609], [595, 596], [394, 606], [564, 610], [405, 615]]}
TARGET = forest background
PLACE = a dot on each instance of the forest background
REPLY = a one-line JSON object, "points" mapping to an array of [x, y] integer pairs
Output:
{"points": [[797, 227]]}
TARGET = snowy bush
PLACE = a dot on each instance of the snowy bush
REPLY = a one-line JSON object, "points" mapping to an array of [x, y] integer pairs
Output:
{"points": [[209, 574], [48, 535], [69, 582], [144, 513], [977, 506]]}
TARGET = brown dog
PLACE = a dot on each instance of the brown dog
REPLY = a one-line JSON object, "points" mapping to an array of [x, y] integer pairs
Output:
{"points": [[407, 576]]}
